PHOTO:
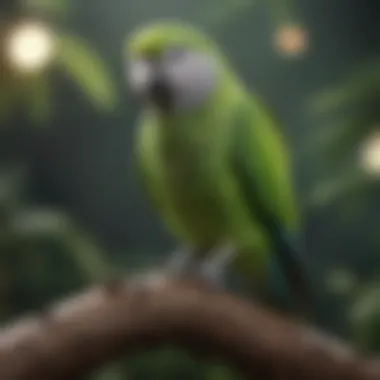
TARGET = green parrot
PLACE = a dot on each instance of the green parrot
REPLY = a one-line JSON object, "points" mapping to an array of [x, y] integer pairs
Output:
{"points": [[213, 163]]}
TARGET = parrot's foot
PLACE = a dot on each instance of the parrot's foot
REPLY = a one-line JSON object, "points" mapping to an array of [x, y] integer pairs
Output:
{"points": [[182, 262], [148, 281], [214, 268], [207, 265]]}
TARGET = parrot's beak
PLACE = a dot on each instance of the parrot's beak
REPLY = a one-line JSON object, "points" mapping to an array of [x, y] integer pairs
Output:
{"points": [[148, 82], [159, 91]]}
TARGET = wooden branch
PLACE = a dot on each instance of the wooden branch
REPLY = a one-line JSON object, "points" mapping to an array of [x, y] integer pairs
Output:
{"points": [[84, 332]]}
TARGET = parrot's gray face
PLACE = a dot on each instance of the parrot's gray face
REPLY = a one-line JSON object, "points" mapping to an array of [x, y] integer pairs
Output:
{"points": [[178, 80]]}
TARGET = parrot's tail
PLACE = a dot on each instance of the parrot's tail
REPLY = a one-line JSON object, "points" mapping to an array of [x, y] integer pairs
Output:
{"points": [[288, 271]]}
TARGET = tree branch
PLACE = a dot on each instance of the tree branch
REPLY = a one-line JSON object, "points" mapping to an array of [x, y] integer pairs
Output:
{"points": [[84, 332]]}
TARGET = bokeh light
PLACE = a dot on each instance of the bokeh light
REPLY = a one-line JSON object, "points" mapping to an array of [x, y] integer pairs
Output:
{"points": [[291, 40], [370, 154], [30, 47]]}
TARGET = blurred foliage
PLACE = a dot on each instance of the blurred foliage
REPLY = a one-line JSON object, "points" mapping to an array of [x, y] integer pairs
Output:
{"points": [[166, 363], [43, 252], [75, 58], [364, 316], [348, 115], [330, 190], [362, 299], [360, 87], [341, 282], [82, 64]]}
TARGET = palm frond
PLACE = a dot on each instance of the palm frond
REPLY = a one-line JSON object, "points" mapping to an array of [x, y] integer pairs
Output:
{"points": [[340, 139], [36, 223], [331, 99], [87, 255], [360, 86], [348, 139], [81, 63], [353, 114], [328, 191]]}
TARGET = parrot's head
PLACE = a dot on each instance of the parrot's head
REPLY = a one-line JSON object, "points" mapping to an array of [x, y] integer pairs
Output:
{"points": [[173, 66]]}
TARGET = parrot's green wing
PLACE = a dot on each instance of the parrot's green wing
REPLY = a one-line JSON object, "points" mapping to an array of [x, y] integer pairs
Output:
{"points": [[262, 165], [144, 159], [148, 170], [262, 170]]}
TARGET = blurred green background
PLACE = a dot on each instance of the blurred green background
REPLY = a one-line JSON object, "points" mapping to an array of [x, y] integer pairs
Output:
{"points": [[70, 210]]}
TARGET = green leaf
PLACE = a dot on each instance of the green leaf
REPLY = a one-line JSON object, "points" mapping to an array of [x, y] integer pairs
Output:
{"points": [[39, 222], [341, 282], [350, 139], [318, 139], [364, 316], [88, 256], [361, 86], [82, 64], [328, 191], [330, 100], [366, 305], [339, 140], [221, 372], [48, 7], [48, 223]]}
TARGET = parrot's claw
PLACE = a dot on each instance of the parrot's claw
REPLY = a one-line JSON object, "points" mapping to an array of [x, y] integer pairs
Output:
{"points": [[212, 276], [188, 262], [180, 262], [214, 269], [150, 281]]}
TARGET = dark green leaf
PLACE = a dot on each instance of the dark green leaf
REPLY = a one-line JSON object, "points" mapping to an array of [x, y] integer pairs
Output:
{"points": [[328, 191], [359, 87], [341, 282], [82, 64]]}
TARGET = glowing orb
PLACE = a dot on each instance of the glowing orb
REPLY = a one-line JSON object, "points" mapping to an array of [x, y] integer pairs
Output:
{"points": [[30, 47], [370, 155], [291, 40]]}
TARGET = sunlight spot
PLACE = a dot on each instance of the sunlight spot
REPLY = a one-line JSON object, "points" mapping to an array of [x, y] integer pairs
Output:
{"points": [[370, 155], [291, 40], [30, 47]]}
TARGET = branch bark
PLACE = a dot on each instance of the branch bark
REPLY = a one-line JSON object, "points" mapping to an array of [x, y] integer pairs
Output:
{"points": [[80, 334]]}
